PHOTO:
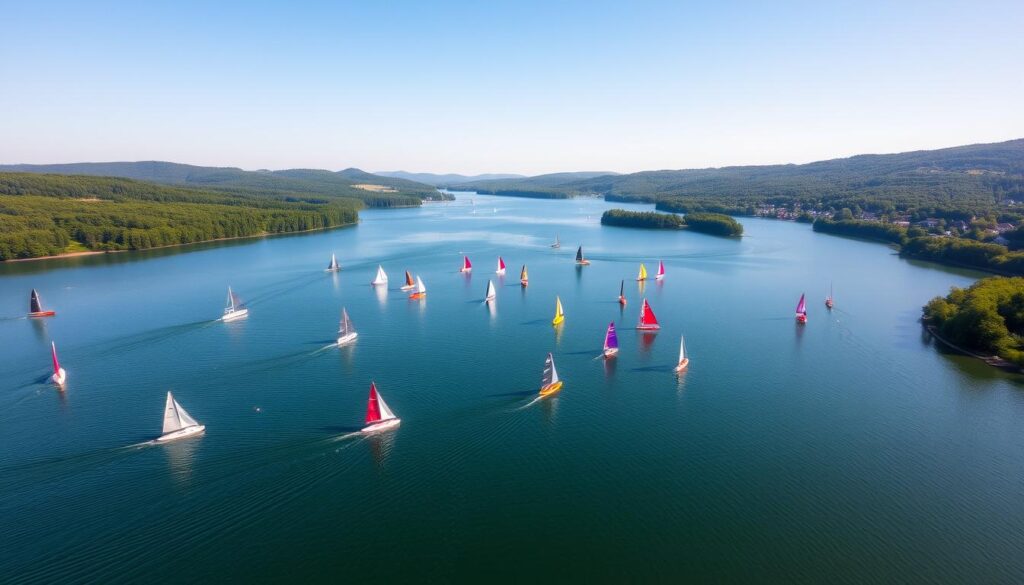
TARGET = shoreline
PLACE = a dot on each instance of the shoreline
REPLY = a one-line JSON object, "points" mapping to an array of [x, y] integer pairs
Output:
{"points": [[992, 360], [98, 252]]}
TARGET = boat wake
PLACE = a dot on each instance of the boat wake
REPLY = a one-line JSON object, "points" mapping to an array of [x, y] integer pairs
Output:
{"points": [[535, 400]]}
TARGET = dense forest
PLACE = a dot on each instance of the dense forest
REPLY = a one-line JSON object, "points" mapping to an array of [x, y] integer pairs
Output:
{"points": [[710, 223], [713, 223], [44, 215], [310, 185], [986, 317]]}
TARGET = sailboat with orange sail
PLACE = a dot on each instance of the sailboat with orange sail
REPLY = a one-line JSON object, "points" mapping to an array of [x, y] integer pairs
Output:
{"points": [[409, 282], [420, 291], [648, 322], [550, 382]]}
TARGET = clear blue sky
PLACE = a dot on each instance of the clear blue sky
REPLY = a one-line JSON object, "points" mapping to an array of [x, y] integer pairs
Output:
{"points": [[526, 87]]}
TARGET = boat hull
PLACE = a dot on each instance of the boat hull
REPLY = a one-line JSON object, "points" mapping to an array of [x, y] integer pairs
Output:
{"points": [[332, 269], [347, 338], [828, 303], [378, 282], [648, 327], [408, 287], [583, 263], [558, 320], [184, 433], [611, 352], [489, 299], [524, 283], [500, 272], [551, 388], [59, 378], [42, 314], [622, 301], [801, 319], [235, 315], [417, 296], [683, 365], [381, 426], [466, 270], [660, 277]]}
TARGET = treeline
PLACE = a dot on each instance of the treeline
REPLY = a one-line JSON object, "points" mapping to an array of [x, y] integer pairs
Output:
{"points": [[709, 223], [531, 193], [987, 317], [44, 215], [871, 230]]}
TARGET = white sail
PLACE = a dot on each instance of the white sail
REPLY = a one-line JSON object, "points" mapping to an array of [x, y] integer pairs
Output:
{"points": [[550, 373], [382, 277], [682, 348], [490, 290], [385, 412], [183, 417], [231, 299], [419, 285], [345, 327], [171, 421]]}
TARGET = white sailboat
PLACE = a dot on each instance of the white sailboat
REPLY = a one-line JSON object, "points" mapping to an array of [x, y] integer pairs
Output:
{"points": [[333, 266], [491, 293], [378, 416], [177, 423], [382, 277], [421, 291], [235, 309], [683, 360], [346, 332]]}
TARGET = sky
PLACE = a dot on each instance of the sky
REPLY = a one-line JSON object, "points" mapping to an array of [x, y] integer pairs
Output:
{"points": [[519, 87]]}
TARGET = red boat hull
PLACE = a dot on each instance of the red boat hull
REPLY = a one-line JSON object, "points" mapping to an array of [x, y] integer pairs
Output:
{"points": [[801, 318], [648, 327], [43, 314]]}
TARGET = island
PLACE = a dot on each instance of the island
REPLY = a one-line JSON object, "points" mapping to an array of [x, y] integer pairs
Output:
{"points": [[985, 319], [710, 223]]}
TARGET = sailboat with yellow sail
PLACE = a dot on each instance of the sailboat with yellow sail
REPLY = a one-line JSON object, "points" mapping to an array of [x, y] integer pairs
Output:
{"points": [[642, 275], [559, 313], [524, 278], [550, 382]]}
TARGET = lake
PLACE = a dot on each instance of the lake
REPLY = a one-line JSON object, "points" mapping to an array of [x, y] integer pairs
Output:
{"points": [[848, 450]]}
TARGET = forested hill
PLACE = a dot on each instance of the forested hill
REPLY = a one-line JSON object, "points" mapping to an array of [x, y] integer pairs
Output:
{"points": [[550, 186], [966, 177], [295, 184], [449, 179], [45, 215]]}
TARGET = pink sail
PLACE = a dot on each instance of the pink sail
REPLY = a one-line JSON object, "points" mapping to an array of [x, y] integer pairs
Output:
{"points": [[53, 353], [372, 407], [466, 264], [501, 265], [801, 307], [661, 270]]}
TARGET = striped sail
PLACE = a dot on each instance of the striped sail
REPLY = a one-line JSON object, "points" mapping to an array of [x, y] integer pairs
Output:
{"points": [[611, 340], [550, 373]]}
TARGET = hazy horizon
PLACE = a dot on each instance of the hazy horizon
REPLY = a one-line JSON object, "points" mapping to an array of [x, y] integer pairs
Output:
{"points": [[524, 88]]}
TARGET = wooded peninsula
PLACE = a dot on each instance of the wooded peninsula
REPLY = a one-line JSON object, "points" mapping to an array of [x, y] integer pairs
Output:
{"points": [[709, 223]]}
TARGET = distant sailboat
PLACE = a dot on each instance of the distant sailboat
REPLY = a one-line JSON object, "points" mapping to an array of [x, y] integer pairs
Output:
{"points": [[524, 278], [35, 306], [579, 257], [683, 360], [642, 275], [346, 332], [549, 382], [235, 309], [648, 322], [501, 267], [378, 416], [557, 244], [409, 282], [559, 313], [611, 341], [801, 310], [491, 293], [59, 376], [177, 423], [333, 266], [622, 293], [421, 291], [381, 278], [828, 300], [661, 271], [467, 266]]}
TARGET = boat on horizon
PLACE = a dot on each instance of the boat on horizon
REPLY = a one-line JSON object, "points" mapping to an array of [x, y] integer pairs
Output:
{"points": [[557, 244], [501, 267], [524, 278], [661, 271], [235, 309], [35, 306], [648, 322], [622, 293], [642, 275], [381, 278], [178, 424], [559, 313], [683, 360], [421, 291], [378, 416], [333, 266], [801, 310], [467, 266], [580, 260], [59, 376], [611, 341], [346, 332], [409, 282], [549, 382], [491, 293], [828, 300]]}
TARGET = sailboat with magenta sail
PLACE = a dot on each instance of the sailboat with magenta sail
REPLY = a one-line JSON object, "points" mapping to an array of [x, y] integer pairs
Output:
{"points": [[661, 271], [501, 267], [611, 341], [59, 376], [801, 310], [467, 266], [378, 416]]}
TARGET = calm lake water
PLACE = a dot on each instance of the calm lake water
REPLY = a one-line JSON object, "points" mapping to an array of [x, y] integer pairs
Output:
{"points": [[847, 450]]}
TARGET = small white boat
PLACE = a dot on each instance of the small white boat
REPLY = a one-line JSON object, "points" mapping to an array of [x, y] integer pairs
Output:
{"points": [[59, 376], [683, 360], [235, 309], [177, 423], [381, 278], [333, 266], [346, 332], [378, 416], [491, 293]]}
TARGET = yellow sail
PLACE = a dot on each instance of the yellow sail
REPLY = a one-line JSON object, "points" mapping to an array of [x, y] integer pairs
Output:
{"points": [[643, 272], [523, 275], [559, 313]]}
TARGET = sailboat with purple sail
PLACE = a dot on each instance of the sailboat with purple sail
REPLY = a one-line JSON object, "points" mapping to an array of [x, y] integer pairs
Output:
{"points": [[611, 341]]}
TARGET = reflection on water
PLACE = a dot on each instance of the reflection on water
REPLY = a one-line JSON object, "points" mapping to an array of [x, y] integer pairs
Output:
{"points": [[549, 406], [39, 326], [610, 364], [381, 292], [558, 334], [646, 341], [492, 310], [381, 445], [180, 456], [336, 281]]}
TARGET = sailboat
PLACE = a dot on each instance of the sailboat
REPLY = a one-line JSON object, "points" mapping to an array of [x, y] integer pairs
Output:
{"points": [[611, 341], [35, 306], [177, 423], [333, 266], [683, 360], [801, 310], [409, 282], [828, 300], [467, 266], [235, 308], [381, 278], [559, 313], [59, 375], [491, 293], [501, 267], [642, 275], [421, 291], [557, 244], [378, 416], [622, 293], [661, 271], [580, 260], [524, 278], [648, 322], [346, 332], [549, 382]]}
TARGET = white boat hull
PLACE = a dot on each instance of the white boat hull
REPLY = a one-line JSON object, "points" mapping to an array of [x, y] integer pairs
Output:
{"points": [[500, 272], [234, 315], [378, 282], [659, 277], [347, 338], [182, 433], [408, 287], [60, 377], [611, 352], [383, 425]]}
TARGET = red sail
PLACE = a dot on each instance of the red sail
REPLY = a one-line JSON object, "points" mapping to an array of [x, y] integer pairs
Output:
{"points": [[466, 265], [408, 279], [501, 263], [56, 364], [372, 409], [647, 318]]}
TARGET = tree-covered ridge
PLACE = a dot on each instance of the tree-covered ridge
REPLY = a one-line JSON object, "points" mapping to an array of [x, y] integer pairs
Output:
{"points": [[294, 184], [710, 223], [44, 215], [714, 223], [986, 317]]}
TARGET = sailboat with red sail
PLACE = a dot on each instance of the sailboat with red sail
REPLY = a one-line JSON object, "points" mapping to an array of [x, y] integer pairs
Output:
{"points": [[801, 310], [378, 416], [467, 266], [59, 376], [648, 322], [501, 267]]}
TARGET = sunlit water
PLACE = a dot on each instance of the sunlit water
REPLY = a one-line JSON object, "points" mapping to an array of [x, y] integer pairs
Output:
{"points": [[847, 450]]}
